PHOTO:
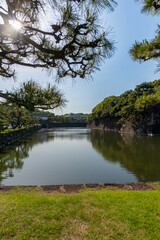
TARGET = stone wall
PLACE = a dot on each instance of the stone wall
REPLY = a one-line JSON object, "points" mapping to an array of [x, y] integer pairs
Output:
{"points": [[11, 137], [104, 124], [59, 125], [148, 125]]}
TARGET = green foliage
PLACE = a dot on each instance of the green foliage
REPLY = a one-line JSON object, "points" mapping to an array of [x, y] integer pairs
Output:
{"points": [[71, 42], [103, 108], [71, 118], [68, 118], [150, 6], [3, 124], [130, 105], [15, 116], [32, 96], [146, 50]]}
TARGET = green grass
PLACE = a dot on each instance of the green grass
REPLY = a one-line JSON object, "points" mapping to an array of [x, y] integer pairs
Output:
{"points": [[90, 214]]}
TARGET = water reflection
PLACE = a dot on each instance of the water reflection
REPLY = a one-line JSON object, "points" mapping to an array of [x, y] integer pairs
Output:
{"points": [[59, 156], [69, 133], [12, 160], [138, 154], [11, 157]]}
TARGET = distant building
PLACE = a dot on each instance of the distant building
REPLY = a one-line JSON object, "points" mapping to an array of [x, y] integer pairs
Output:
{"points": [[76, 116], [43, 117]]}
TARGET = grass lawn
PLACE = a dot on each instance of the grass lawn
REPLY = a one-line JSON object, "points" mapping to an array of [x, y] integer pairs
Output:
{"points": [[91, 214]]}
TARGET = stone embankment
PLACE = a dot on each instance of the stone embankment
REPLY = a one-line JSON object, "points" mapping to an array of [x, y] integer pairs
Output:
{"points": [[11, 137], [142, 128], [75, 188], [147, 125], [47, 124]]}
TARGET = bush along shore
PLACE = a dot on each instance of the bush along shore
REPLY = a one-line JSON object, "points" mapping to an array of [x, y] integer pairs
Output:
{"points": [[92, 213], [134, 111], [12, 135]]}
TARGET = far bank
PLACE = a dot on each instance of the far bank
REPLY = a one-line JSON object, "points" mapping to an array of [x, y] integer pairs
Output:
{"points": [[135, 111]]}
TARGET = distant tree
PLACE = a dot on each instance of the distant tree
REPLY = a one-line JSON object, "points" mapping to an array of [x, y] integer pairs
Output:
{"points": [[132, 105], [69, 39], [16, 116], [32, 96], [146, 50]]}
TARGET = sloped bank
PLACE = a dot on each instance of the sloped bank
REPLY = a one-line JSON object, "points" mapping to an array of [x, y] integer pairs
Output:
{"points": [[148, 125], [11, 137], [134, 111]]}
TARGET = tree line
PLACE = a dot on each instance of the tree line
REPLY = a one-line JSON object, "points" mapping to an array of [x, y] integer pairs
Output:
{"points": [[132, 105]]}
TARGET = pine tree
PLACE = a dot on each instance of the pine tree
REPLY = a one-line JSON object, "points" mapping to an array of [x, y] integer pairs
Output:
{"points": [[146, 50], [63, 36], [31, 96]]}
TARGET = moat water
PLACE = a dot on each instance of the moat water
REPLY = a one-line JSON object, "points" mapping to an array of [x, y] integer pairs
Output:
{"points": [[74, 156]]}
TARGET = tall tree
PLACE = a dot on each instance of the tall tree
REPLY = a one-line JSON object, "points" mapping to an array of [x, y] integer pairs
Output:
{"points": [[31, 96], [69, 39], [146, 50]]}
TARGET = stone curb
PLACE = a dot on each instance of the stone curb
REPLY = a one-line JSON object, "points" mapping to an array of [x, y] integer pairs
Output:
{"points": [[75, 188]]}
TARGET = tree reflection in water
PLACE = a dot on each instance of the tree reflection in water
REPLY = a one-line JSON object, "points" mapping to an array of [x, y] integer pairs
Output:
{"points": [[11, 157], [138, 154]]}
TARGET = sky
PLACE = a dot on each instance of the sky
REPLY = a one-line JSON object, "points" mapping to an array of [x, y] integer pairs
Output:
{"points": [[116, 74]]}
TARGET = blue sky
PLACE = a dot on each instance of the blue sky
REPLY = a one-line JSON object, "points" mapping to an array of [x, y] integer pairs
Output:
{"points": [[117, 74]]}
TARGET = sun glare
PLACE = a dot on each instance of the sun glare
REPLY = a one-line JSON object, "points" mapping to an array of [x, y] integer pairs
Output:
{"points": [[17, 25]]}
